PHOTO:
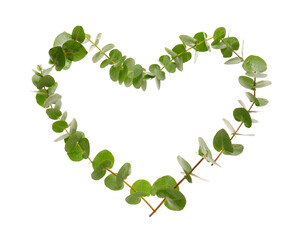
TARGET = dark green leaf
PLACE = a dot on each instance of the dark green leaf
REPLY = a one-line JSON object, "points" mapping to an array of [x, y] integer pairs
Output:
{"points": [[115, 55], [135, 197], [100, 170], [102, 156], [123, 173], [105, 63], [252, 98], [201, 43], [75, 154], [237, 150], [180, 51], [175, 200], [189, 41], [35, 79], [73, 50], [222, 141], [163, 182], [169, 65], [142, 186], [59, 126], [78, 34], [110, 182], [242, 115], [72, 141], [137, 82], [46, 81], [61, 39], [232, 44], [247, 82], [123, 74], [53, 113], [218, 35], [254, 64], [41, 98], [57, 57], [84, 143]]}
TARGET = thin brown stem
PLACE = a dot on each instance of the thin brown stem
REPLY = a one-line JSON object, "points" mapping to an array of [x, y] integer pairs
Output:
{"points": [[233, 50]]}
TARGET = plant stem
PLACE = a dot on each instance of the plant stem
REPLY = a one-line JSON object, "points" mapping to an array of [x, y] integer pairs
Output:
{"points": [[233, 50]]}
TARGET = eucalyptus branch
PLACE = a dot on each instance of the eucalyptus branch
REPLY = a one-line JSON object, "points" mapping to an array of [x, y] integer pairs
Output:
{"points": [[69, 48]]}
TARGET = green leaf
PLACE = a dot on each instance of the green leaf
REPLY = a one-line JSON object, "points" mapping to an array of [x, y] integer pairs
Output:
{"points": [[135, 71], [262, 102], [189, 41], [46, 71], [64, 116], [102, 156], [186, 167], [114, 73], [51, 90], [73, 50], [218, 35], [68, 64], [97, 57], [123, 74], [75, 154], [142, 186], [105, 63], [108, 47], [237, 150], [171, 53], [123, 173], [61, 39], [233, 44], [144, 85], [175, 200], [52, 100], [242, 115], [78, 34], [62, 137], [254, 65], [158, 83], [135, 197], [115, 55], [222, 141], [247, 82], [262, 84], [72, 141], [111, 182], [129, 63], [180, 50], [57, 57], [53, 113], [35, 79], [86, 40], [259, 102], [234, 60], [137, 82], [59, 126], [205, 152], [73, 126], [156, 70], [201, 43], [163, 182], [41, 98], [84, 143], [256, 75], [46, 81], [169, 65], [100, 170]]}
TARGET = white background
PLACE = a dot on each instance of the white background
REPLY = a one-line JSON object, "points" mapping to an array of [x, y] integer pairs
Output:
{"points": [[44, 195]]}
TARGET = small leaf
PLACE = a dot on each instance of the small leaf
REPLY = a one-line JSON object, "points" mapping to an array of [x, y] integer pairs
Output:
{"points": [[108, 47], [61, 39], [97, 57], [156, 70], [205, 152], [186, 167], [41, 98], [52, 89], [53, 113], [229, 126], [46, 81], [72, 141], [73, 50], [114, 73], [242, 115], [163, 182], [57, 57], [123, 173], [234, 60], [237, 150], [64, 116], [62, 137], [102, 156], [169, 65], [247, 82], [242, 103], [180, 50], [75, 154], [262, 84], [100, 170], [135, 197], [262, 102], [105, 63], [52, 100], [218, 35], [252, 98], [84, 143], [189, 41], [222, 141], [78, 34], [232, 44], [115, 55], [59, 126], [142, 186], [201, 43], [175, 200], [158, 83], [111, 182], [171, 53], [254, 64], [135, 71], [73, 126]]}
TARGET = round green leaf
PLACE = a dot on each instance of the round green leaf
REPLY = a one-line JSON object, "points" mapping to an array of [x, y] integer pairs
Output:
{"points": [[234, 60], [135, 197], [169, 65], [114, 73], [262, 84], [46, 81], [237, 150], [52, 100], [254, 64], [232, 44], [180, 51], [135, 71], [100, 170], [156, 70], [218, 35], [57, 57], [222, 141], [175, 200], [242, 115], [201, 44], [246, 82], [97, 57], [115, 55], [102, 156], [142, 186], [84, 143], [72, 141], [123, 173], [78, 34], [76, 154], [163, 182], [53, 113], [41, 98], [59, 126], [73, 50], [61, 39], [105, 63], [189, 41], [110, 182]]}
